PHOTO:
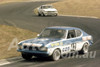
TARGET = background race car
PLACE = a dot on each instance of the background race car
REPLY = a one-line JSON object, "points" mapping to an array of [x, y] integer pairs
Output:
{"points": [[46, 10]]}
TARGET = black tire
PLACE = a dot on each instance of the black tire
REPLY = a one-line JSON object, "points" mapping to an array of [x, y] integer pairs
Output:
{"points": [[54, 56], [85, 49], [56, 15], [27, 56], [42, 14], [39, 14]]}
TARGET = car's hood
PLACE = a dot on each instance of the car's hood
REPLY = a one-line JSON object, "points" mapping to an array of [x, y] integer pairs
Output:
{"points": [[50, 9], [39, 41]]}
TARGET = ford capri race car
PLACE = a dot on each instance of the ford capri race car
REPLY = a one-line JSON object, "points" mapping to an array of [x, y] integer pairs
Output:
{"points": [[55, 41]]}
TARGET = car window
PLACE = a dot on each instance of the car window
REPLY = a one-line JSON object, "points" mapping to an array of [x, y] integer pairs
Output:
{"points": [[78, 33], [71, 34], [46, 7], [53, 33]]}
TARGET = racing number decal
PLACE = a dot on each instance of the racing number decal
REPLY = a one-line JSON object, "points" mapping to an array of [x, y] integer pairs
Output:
{"points": [[66, 49], [73, 46]]}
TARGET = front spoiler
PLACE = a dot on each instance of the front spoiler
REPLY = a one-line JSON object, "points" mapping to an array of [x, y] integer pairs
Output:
{"points": [[34, 52], [50, 13]]}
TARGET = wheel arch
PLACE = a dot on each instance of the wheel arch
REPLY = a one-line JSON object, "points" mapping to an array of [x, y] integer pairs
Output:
{"points": [[56, 49], [85, 43]]}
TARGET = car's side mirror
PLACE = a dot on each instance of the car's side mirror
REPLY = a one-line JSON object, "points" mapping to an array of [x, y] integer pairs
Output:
{"points": [[38, 34]]}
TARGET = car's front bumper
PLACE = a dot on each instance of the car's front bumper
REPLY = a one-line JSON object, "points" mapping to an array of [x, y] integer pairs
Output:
{"points": [[35, 52], [50, 13]]}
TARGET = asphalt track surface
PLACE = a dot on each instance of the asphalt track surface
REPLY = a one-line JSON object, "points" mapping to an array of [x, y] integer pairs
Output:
{"points": [[21, 15]]}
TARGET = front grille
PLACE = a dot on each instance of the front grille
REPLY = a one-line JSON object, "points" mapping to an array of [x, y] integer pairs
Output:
{"points": [[36, 48], [51, 11], [30, 48], [25, 47]]}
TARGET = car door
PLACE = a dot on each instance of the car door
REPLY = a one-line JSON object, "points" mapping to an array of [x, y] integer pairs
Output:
{"points": [[69, 42], [74, 36], [71, 37]]}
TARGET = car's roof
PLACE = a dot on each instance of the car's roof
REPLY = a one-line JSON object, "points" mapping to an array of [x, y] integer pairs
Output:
{"points": [[63, 27]]}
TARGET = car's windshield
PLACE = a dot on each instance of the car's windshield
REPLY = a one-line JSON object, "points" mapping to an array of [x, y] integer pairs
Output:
{"points": [[46, 7], [53, 33]]}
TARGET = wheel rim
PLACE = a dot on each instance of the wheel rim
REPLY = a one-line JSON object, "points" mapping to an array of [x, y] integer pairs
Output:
{"points": [[42, 14], [55, 14], [56, 55]]}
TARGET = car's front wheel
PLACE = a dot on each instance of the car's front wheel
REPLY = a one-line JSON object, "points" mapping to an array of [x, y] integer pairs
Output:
{"points": [[39, 14], [56, 55], [42, 14], [27, 56]]}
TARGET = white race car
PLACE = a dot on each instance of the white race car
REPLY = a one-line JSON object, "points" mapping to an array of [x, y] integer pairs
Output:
{"points": [[45, 10], [56, 41]]}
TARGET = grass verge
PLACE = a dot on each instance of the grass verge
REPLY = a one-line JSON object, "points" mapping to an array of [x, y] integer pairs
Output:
{"points": [[7, 34], [79, 7]]}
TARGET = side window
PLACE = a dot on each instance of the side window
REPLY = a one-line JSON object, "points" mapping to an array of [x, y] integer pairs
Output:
{"points": [[78, 33], [71, 34]]}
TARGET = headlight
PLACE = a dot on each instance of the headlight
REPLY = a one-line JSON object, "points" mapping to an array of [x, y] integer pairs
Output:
{"points": [[20, 47], [43, 48]]}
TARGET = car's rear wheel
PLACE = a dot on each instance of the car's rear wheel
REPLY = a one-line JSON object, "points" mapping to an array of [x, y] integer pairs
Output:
{"points": [[56, 55], [56, 14], [85, 49], [27, 56]]}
